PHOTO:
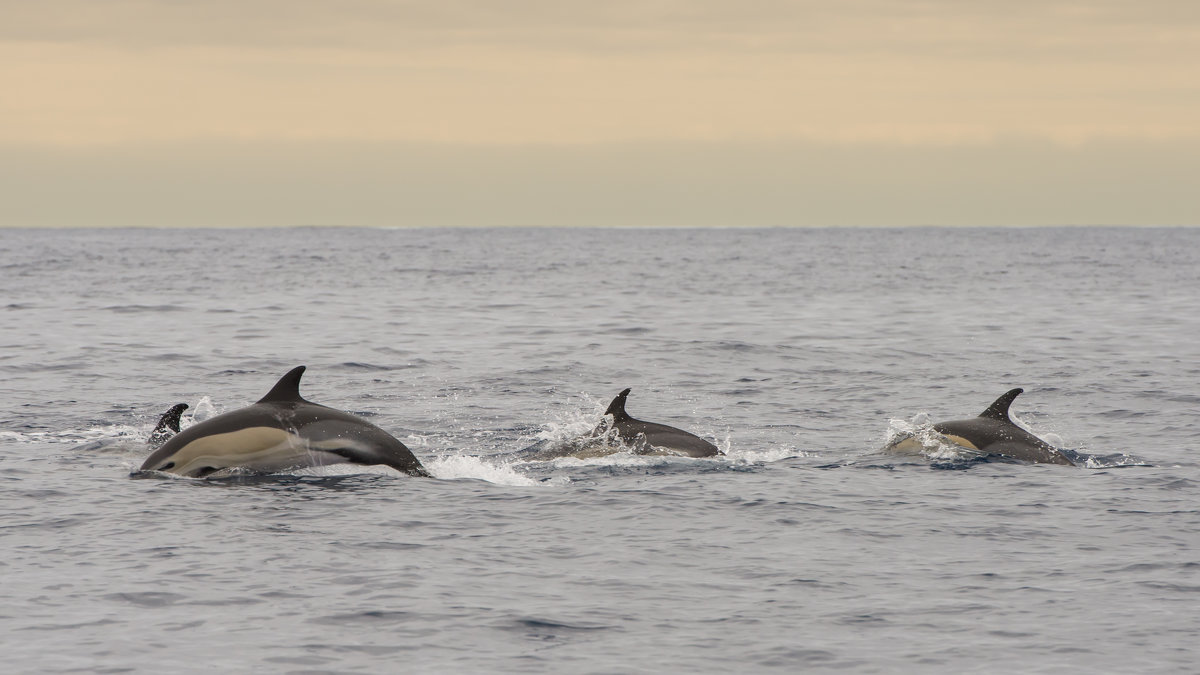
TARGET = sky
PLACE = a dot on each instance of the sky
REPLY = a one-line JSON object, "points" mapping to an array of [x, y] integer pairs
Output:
{"points": [[617, 113]]}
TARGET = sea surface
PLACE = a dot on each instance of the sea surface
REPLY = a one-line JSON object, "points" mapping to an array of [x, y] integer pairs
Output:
{"points": [[799, 352]]}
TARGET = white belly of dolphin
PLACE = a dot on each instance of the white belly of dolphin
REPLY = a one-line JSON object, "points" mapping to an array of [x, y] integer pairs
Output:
{"points": [[263, 449], [930, 442]]}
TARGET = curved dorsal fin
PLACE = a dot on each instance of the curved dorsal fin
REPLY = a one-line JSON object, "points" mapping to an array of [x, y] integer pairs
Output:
{"points": [[168, 426], [287, 389], [998, 410], [617, 407], [170, 419]]}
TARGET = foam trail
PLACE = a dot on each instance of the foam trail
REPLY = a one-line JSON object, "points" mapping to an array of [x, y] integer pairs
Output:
{"points": [[464, 466], [743, 457]]}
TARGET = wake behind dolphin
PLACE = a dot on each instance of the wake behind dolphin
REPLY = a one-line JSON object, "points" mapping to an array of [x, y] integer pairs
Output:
{"points": [[992, 433], [281, 431]]}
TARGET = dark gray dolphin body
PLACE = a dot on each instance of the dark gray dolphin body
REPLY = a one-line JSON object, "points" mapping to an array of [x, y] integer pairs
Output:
{"points": [[168, 426], [281, 431], [649, 437], [992, 433]]}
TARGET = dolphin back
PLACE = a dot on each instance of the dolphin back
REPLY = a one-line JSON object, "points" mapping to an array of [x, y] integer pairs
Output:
{"points": [[353, 438], [660, 437]]}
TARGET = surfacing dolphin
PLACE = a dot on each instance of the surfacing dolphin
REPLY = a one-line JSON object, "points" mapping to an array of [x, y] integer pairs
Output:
{"points": [[168, 426], [281, 431], [650, 438], [992, 433]]}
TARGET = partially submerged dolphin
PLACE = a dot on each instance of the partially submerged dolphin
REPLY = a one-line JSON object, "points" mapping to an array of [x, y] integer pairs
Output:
{"points": [[281, 431], [651, 438], [168, 426], [992, 433]]}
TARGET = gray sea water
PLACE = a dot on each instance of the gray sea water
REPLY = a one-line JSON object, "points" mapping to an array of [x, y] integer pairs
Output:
{"points": [[796, 351]]}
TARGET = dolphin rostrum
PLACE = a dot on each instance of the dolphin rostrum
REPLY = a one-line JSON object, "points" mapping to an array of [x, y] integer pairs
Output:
{"points": [[649, 437], [281, 431], [992, 433]]}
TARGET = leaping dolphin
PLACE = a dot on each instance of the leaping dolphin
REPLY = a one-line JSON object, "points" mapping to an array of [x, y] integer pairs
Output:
{"points": [[992, 433], [168, 425], [649, 437], [281, 431]]}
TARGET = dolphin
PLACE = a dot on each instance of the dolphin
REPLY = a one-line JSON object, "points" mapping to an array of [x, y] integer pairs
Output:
{"points": [[281, 431], [992, 433], [649, 438], [168, 425]]}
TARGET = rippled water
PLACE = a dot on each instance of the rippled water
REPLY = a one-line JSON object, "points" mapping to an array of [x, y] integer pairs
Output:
{"points": [[796, 351]]}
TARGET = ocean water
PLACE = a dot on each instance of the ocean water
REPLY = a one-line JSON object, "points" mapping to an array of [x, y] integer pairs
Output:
{"points": [[798, 352]]}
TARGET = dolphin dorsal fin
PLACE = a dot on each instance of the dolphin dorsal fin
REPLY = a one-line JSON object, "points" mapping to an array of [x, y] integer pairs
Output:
{"points": [[998, 410], [168, 426], [287, 389], [170, 419], [617, 407]]}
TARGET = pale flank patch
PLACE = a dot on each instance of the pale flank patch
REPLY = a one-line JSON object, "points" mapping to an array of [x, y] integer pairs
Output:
{"points": [[960, 441], [252, 447]]}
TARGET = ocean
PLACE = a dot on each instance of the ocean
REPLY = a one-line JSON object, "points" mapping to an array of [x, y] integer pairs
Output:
{"points": [[798, 352]]}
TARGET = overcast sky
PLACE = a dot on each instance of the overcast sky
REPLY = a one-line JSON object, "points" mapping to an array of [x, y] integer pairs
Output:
{"points": [[651, 112]]}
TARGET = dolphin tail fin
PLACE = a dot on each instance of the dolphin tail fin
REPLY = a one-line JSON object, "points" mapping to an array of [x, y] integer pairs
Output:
{"points": [[617, 407], [287, 389], [998, 410]]}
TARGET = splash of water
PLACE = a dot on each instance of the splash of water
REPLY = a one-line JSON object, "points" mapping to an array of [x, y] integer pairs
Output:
{"points": [[931, 444], [203, 410], [465, 466]]}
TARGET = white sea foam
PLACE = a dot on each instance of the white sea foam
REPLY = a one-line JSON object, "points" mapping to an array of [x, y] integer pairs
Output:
{"points": [[573, 423], [933, 445], [466, 466], [202, 410], [767, 456], [114, 433]]}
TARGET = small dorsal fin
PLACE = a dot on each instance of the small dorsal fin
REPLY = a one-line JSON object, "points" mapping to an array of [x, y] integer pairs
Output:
{"points": [[998, 410], [168, 426], [286, 389], [617, 407], [170, 419]]}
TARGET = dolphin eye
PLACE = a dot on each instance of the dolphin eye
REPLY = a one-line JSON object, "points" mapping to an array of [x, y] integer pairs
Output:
{"points": [[168, 465]]}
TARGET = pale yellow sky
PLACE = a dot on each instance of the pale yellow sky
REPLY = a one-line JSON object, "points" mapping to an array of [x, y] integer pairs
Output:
{"points": [[261, 80]]}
